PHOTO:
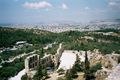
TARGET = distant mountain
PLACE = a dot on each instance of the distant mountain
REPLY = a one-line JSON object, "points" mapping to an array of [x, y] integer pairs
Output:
{"points": [[107, 21]]}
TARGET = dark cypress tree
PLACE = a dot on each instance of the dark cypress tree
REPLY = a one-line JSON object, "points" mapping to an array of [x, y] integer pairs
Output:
{"points": [[87, 64], [87, 67], [77, 63], [68, 75]]}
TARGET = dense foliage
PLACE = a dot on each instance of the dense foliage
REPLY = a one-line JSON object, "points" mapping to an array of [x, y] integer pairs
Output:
{"points": [[9, 36], [40, 74], [109, 30], [95, 68], [72, 39], [5, 55], [24, 77], [11, 69]]}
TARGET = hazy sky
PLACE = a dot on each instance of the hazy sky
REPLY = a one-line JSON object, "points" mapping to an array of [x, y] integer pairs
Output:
{"points": [[35, 11]]}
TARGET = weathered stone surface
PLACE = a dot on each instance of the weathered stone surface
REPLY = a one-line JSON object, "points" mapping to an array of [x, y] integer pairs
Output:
{"points": [[81, 76], [115, 74], [31, 64], [101, 74], [108, 61]]}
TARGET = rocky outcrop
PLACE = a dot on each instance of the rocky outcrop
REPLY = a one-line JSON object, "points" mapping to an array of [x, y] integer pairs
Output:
{"points": [[115, 74], [108, 61], [101, 75]]}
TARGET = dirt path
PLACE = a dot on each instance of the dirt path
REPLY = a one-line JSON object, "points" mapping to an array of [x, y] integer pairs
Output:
{"points": [[53, 76], [17, 57]]}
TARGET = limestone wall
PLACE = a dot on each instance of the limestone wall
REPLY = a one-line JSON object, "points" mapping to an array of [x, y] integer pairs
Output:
{"points": [[31, 64], [58, 55]]}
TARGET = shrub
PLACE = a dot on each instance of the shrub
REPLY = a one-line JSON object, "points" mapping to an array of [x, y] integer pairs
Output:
{"points": [[95, 67]]}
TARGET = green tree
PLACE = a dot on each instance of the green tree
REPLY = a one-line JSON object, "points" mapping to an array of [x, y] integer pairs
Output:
{"points": [[0, 60], [42, 52], [68, 75], [44, 72], [87, 66], [61, 71], [77, 64], [24, 77], [76, 67], [95, 68], [39, 75]]}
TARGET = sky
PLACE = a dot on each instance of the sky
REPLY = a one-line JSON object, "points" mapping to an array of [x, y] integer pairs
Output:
{"points": [[38, 11]]}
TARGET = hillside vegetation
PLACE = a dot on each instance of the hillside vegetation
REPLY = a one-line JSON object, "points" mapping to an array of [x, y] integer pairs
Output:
{"points": [[9, 36], [72, 40]]}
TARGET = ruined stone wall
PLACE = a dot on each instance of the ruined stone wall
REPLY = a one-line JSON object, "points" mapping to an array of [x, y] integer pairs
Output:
{"points": [[31, 64], [46, 61], [58, 55], [33, 61]]}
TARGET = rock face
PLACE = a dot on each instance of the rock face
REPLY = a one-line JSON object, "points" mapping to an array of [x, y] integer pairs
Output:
{"points": [[101, 74], [95, 57], [81, 76], [115, 74], [108, 61]]}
